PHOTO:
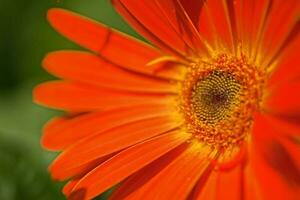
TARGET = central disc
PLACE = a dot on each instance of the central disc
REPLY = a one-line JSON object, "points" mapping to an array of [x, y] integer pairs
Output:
{"points": [[218, 100], [214, 96]]}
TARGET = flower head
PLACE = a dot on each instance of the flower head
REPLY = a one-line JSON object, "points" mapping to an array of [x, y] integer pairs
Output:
{"points": [[211, 112]]}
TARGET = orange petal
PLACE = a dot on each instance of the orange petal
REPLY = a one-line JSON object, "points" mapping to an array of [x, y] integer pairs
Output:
{"points": [[230, 183], [250, 188], [79, 194], [137, 180], [281, 28], [242, 12], [89, 68], [127, 162], [249, 18], [285, 127], [277, 173], [203, 188], [287, 68], [193, 9], [183, 25], [78, 172], [221, 184], [61, 132], [183, 173], [258, 16], [287, 134], [234, 183], [109, 142], [216, 24], [84, 31], [82, 97], [80, 169], [117, 47], [148, 18], [285, 99], [292, 146], [67, 189], [206, 190], [291, 120]]}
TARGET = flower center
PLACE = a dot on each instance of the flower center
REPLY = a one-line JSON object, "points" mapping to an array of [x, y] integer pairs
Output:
{"points": [[214, 96], [218, 101]]}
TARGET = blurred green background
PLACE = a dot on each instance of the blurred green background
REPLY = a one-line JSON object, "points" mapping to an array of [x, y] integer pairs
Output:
{"points": [[25, 37]]}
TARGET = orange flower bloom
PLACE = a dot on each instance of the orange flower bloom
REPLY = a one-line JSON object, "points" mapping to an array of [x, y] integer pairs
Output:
{"points": [[211, 113]]}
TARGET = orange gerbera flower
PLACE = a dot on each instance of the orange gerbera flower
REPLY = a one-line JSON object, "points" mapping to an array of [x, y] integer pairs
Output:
{"points": [[212, 113]]}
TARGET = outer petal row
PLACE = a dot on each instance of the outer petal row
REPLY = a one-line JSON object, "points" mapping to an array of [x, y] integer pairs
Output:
{"points": [[114, 46]]}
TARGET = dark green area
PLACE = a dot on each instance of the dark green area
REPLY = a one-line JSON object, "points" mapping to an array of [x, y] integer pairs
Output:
{"points": [[25, 37]]}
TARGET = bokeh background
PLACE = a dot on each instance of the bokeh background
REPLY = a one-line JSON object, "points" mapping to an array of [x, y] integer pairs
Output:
{"points": [[25, 37]]}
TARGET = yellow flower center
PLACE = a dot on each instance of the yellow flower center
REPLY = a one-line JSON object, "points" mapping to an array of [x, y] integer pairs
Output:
{"points": [[214, 96], [218, 100]]}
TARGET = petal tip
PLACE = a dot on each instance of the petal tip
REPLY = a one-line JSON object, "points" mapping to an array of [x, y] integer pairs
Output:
{"points": [[53, 13], [46, 59], [35, 93]]}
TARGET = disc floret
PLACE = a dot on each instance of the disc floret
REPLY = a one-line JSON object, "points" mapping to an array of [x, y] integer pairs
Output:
{"points": [[219, 99]]}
